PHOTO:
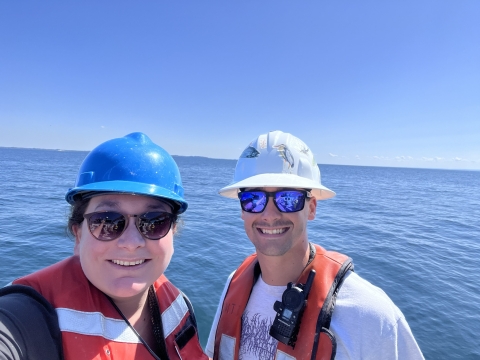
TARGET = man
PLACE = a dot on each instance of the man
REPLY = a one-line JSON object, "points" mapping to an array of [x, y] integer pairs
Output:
{"points": [[259, 317]]}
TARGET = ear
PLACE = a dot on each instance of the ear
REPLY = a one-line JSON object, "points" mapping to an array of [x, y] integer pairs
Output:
{"points": [[312, 208], [77, 231]]}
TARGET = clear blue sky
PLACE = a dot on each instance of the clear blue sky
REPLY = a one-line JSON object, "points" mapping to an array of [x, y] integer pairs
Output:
{"points": [[386, 83]]}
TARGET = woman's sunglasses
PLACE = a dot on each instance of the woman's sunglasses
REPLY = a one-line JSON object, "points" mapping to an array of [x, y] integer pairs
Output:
{"points": [[286, 201], [109, 225]]}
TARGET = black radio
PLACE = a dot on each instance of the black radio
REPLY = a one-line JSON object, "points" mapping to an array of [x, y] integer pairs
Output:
{"points": [[290, 310]]}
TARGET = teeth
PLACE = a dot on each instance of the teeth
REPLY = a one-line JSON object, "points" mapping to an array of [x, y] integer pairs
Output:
{"points": [[128, 263], [273, 231]]}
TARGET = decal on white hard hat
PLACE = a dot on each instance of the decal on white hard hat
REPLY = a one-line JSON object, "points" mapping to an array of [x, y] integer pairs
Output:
{"points": [[277, 159]]}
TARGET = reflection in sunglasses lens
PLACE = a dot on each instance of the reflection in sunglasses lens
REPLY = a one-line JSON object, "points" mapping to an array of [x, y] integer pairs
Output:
{"points": [[106, 225], [154, 225], [285, 200], [290, 201], [109, 225]]}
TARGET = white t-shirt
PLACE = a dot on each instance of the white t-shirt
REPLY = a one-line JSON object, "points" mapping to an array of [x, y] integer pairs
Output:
{"points": [[365, 322]]}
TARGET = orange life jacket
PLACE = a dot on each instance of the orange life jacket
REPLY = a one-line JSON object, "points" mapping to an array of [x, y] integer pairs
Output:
{"points": [[92, 329], [314, 340]]}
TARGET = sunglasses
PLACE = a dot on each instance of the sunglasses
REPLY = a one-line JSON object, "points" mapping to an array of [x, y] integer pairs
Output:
{"points": [[286, 201], [109, 225]]}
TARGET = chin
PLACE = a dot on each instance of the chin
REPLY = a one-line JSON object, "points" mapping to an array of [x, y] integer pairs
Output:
{"points": [[273, 249], [126, 289]]}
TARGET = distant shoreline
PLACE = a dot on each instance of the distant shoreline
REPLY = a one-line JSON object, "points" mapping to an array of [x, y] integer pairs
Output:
{"points": [[208, 158]]}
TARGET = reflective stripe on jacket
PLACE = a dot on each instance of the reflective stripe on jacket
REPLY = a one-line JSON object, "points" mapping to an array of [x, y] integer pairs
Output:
{"points": [[314, 340], [93, 329]]}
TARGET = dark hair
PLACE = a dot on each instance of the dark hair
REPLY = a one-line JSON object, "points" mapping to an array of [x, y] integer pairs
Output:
{"points": [[78, 209]]}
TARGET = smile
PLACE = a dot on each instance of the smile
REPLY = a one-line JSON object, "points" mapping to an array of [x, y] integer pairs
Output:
{"points": [[128, 263], [273, 231]]}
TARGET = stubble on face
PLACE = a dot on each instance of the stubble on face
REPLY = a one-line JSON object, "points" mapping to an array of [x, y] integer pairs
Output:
{"points": [[274, 233], [271, 245]]}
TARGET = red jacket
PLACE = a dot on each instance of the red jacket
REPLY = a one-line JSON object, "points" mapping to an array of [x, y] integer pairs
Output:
{"points": [[92, 329], [313, 336]]}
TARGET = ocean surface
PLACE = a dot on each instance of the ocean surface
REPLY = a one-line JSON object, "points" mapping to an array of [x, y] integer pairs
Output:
{"points": [[413, 232]]}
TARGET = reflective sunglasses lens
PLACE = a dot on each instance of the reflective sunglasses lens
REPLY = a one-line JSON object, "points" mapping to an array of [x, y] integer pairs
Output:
{"points": [[253, 201], [290, 200], [155, 225], [106, 226]]}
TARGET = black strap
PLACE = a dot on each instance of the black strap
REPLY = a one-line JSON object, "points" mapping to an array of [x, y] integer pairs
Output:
{"points": [[327, 310], [186, 333], [157, 326], [325, 316], [189, 329], [190, 309]]}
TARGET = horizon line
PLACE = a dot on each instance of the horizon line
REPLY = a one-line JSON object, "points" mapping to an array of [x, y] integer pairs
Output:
{"points": [[210, 158]]}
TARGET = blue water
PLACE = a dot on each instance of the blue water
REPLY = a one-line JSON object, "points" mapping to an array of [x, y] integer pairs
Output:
{"points": [[413, 232]]}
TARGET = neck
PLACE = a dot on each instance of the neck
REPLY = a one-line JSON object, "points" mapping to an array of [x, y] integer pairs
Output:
{"points": [[137, 312], [280, 270], [132, 307]]}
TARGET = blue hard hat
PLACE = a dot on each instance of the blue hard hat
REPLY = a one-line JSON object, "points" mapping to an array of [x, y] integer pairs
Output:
{"points": [[132, 164]]}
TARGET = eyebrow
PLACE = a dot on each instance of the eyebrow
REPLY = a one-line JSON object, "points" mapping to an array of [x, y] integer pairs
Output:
{"points": [[107, 203], [115, 204], [159, 206]]}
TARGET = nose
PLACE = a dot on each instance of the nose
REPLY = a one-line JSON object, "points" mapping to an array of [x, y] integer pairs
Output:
{"points": [[270, 212], [131, 238]]}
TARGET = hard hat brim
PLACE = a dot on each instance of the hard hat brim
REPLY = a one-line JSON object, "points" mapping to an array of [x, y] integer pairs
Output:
{"points": [[278, 180], [127, 187]]}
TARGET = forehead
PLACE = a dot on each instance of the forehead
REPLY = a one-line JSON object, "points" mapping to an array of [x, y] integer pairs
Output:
{"points": [[127, 202]]}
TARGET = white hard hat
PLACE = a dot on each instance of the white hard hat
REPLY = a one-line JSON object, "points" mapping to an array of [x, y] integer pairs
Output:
{"points": [[277, 159]]}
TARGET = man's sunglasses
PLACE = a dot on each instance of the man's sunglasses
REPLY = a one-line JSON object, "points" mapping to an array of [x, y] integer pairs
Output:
{"points": [[286, 201], [109, 225]]}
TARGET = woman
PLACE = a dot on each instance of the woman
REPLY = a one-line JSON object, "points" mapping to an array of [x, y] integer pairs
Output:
{"points": [[111, 298]]}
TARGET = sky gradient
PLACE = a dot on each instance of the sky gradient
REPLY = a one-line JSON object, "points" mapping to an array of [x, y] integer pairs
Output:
{"points": [[376, 83]]}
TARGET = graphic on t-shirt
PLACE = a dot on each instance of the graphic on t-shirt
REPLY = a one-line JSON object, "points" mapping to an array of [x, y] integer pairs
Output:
{"points": [[256, 342]]}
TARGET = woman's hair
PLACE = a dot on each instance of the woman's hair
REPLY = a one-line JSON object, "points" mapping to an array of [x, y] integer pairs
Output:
{"points": [[77, 210]]}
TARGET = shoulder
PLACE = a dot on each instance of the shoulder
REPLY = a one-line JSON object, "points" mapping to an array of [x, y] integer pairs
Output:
{"points": [[28, 324], [60, 282], [358, 294], [358, 300], [64, 270], [367, 322], [25, 294]]}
